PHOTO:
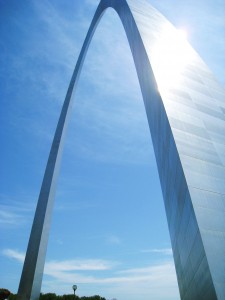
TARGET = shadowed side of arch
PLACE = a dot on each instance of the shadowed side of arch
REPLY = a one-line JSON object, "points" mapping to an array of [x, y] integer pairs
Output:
{"points": [[193, 260]]}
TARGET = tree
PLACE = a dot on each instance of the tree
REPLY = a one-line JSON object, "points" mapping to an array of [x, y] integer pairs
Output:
{"points": [[48, 296], [53, 296], [69, 297], [4, 294]]}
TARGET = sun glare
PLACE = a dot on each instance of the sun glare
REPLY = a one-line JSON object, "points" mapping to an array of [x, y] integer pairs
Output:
{"points": [[169, 57], [182, 34]]}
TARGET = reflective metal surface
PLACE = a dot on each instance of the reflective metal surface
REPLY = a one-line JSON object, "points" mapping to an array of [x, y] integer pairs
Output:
{"points": [[185, 108]]}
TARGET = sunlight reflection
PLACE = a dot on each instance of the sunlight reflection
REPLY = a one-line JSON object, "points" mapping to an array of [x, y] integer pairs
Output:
{"points": [[169, 57]]}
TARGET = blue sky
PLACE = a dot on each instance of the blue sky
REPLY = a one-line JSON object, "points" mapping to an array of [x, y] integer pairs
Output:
{"points": [[109, 233]]}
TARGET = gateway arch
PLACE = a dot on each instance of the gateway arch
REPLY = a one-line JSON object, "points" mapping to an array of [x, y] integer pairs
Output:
{"points": [[185, 108]]}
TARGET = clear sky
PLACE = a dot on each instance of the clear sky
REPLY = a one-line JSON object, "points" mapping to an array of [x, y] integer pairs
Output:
{"points": [[109, 233]]}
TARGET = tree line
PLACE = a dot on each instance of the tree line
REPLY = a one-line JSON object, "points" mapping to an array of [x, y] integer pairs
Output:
{"points": [[5, 294]]}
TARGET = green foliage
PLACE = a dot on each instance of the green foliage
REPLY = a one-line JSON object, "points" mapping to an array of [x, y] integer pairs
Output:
{"points": [[53, 296], [69, 297], [96, 297], [12, 297], [4, 294], [49, 296]]}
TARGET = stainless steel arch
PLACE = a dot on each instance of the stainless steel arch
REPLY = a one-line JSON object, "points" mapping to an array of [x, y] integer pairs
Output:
{"points": [[186, 121]]}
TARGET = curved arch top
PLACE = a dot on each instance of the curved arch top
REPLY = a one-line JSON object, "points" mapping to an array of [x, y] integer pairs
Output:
{"points": [[185, 108]]}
